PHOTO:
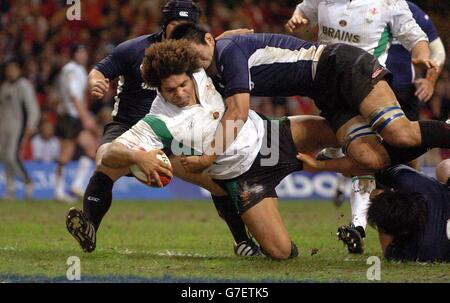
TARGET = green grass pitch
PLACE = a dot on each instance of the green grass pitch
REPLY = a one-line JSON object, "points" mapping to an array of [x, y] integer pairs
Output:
{"points": [[186, 241]]}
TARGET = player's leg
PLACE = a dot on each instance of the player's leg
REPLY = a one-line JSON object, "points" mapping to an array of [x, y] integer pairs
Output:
{"points": [[224, 205], [98, 194], [67, 150], [97, 199], [386, 117], [311, 133], [411, 107], [88, 144], [265, 224], [13, 164], [83, 225]]}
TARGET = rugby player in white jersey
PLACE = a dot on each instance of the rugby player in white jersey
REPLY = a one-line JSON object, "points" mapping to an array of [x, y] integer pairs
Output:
{"points": [[370, 25]]}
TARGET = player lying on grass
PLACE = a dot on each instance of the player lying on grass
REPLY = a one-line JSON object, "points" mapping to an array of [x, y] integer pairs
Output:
{"points": [[412, 214]]}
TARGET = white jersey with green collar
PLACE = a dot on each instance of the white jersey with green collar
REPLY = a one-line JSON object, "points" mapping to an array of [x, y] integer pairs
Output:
{"points": [[190, 130], [367, 24]]}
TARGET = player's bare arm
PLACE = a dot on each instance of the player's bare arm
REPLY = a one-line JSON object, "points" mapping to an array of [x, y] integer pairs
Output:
{"points": [[345, 166], [232, 121], [98, 84], [119, 156], [297, 20]]}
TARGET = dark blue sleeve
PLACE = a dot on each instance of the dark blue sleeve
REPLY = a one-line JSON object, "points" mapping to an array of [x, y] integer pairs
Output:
{"points": [[115, 63], [404, 178], [234, 68], [424, 21], [400, 252]]}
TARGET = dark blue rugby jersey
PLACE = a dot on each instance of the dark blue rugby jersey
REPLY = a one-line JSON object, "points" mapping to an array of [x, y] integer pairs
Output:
{"points": [[134, 98], [265, 65], [399, 58], [433, 243]]}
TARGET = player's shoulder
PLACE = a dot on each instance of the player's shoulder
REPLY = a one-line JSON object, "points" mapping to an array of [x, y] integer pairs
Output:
{"points": [[138, 44]]}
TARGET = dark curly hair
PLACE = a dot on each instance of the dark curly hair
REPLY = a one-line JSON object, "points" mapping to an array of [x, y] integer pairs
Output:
{"points": [[167, 58], [398, 213]]}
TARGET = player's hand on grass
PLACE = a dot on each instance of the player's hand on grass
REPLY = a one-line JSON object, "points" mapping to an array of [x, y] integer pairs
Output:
{"points": [[424, 89], [197, 164], [235, 32], [151, 165], [297, 20], [100, 88], [310, 164]]}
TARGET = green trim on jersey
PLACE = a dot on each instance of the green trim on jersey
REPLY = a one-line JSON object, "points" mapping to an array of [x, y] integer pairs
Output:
{"points": [[160, 129], [233, 192], [383, 42]]}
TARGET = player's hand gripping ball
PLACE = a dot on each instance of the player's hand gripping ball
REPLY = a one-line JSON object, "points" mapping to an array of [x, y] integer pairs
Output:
{"points": [[142, 177]]}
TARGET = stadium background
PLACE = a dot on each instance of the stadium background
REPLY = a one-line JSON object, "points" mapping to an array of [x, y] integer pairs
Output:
{"points": [[180, 241], [38, 34]]}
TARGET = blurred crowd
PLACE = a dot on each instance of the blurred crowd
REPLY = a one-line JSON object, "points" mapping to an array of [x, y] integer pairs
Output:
{"points": [[38, 35]]}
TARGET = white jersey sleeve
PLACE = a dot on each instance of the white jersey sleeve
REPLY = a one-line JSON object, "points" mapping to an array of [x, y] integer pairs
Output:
{"points": [[310, 9], [402, 24], [140, 134]]}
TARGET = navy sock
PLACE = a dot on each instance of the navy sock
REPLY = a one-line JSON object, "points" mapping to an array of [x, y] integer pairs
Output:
{"points": [[228, 212], [97, 198], [435, 134]]}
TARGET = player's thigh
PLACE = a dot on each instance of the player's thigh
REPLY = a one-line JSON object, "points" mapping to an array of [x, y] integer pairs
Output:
{"points": [[311, 133], [362, 144], [203, 180], [381, 96], [264, 222], [382, 110]]}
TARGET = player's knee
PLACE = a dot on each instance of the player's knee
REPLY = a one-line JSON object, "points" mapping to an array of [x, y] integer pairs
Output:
{"points": [[281, 251], [369, 157]]}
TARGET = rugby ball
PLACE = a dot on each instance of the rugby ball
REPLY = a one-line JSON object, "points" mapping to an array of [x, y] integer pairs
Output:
{"points": [[142, 177]]}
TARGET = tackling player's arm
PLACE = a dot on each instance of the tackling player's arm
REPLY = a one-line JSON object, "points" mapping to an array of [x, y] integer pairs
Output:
{"points": [[233, 120], [345, 166]]}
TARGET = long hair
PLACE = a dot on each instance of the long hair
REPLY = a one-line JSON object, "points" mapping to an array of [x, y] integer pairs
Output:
{"points": [[398, 213], [167, 58]]}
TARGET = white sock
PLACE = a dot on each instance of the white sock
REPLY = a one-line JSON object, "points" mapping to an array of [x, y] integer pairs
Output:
{"points": [[59, 184], [362, 186], [10, 183], [83, 169]]}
